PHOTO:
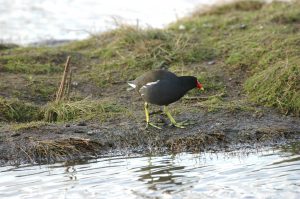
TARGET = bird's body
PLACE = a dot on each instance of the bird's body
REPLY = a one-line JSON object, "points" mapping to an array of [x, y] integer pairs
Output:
{"points": [[162, 88]]}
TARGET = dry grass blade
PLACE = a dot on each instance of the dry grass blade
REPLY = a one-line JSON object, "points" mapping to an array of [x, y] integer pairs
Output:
{"points": [[61, 91], [55, 150]]}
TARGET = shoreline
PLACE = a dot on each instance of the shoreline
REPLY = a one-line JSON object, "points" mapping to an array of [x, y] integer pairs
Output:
{"points": [[52, 143]]}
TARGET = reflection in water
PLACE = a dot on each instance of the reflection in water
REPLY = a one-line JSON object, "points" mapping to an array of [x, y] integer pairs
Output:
{"points": [[155, 176], [72, 172], [271, 173]]}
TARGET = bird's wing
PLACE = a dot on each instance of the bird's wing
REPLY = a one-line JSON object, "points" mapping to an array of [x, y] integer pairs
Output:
{"points": [[160, 92]]}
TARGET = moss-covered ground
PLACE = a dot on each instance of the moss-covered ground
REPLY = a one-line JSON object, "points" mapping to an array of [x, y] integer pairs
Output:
{"points": [[246, 54]]}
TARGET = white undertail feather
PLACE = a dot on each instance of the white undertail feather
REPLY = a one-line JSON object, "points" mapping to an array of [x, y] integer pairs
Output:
{"points": [[131, 84]]}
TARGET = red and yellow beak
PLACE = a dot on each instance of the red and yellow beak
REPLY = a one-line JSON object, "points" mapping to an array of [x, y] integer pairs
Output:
{"points": [[199, 86]]}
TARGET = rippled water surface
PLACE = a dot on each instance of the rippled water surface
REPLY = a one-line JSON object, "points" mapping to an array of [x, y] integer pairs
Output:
{"points": [[26, 21], [271, 173]]}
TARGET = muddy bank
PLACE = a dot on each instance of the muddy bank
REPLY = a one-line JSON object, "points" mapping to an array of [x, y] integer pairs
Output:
{"points": [[221, 131]]}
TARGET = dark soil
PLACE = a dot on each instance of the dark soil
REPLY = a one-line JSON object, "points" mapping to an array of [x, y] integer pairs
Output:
{"points": [[224, 129]]}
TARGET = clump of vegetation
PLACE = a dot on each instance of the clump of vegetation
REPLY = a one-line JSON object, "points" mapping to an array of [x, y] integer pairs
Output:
{"points": [[18, 111], [79, 110], [194, 143], [128, 51], [23, 62], [49, 151], [7, 46], [243, 6], [278, 85], [34, 60], [260, 48]]}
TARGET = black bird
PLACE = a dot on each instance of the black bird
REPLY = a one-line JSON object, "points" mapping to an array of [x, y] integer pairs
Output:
{"points": [[162, 88]]}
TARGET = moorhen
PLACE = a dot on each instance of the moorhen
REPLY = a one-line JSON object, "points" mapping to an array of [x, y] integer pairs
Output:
{"points": [[162, 88]]}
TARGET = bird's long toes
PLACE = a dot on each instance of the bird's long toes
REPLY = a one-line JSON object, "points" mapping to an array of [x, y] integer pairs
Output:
{"points": [[178, 125], [182, 124], [153, 125]]}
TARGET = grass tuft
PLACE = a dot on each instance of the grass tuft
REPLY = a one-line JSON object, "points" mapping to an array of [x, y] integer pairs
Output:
{"points": [[278, 85], [18, 111], [79, 110], [49, 151], [243, 6]]}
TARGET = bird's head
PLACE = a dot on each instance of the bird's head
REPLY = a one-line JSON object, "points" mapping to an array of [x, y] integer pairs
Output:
{"points": [[199, 85]]}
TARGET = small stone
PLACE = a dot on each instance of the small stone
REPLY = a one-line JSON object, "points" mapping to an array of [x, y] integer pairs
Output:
{"points": [[79, 131], [92, 132], [243, 26], [15, 134], [82, 123], [218, 124], [67, 125], [74, 83], [211, 62]]}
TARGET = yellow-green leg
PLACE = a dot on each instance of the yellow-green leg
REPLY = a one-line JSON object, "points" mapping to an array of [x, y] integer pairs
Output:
{"points": [[172, 120], [148, 117]]}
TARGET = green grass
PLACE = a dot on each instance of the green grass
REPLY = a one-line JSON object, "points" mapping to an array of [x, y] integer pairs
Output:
{"points": [[259, 42], [278, 85], [14, 110], [18, 111], [131, 51], [29, 60], [254, 43], [36, 60]]}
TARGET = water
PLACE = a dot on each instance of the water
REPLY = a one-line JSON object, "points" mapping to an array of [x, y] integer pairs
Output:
{"points": [[27, 21], [271, 173]]}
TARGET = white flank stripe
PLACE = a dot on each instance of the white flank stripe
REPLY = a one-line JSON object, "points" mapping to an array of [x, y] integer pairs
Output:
{"points": [[151, 83], [147, 85]]}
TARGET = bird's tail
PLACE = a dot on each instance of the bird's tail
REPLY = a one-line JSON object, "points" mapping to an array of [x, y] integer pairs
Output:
{"points": [[132, 86]]}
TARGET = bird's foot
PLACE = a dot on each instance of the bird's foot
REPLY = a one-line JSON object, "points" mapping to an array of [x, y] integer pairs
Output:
{"points": [[178, 125], [153, 125], [182, 124]]}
